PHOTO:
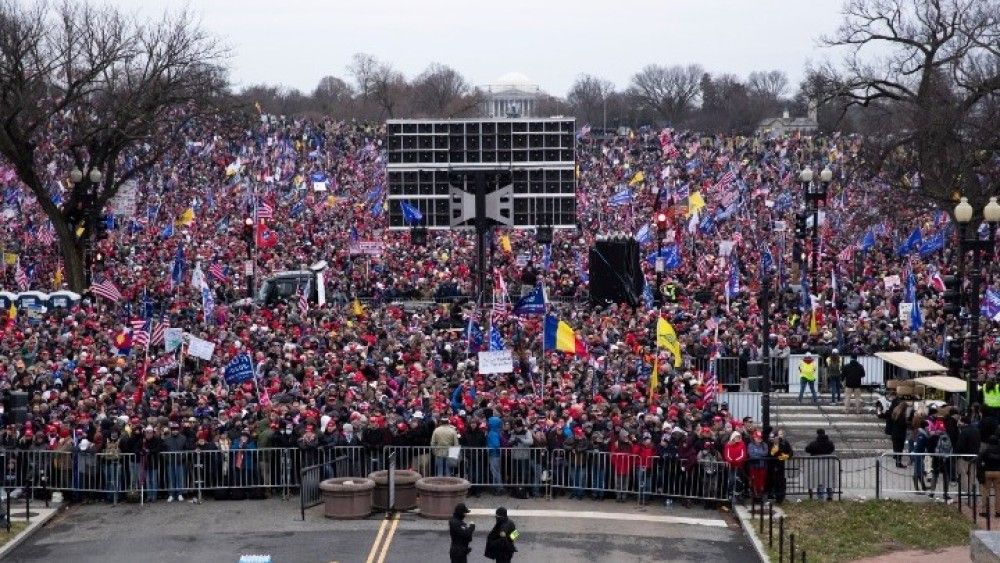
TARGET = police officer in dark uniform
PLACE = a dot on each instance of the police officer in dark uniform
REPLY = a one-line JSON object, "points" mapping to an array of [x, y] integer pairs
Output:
{"points": [[500, 541], [461, 534]]}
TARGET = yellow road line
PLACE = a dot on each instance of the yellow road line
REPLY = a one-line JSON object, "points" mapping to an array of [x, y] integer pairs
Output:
{"points": [[378, 540], [388, 539]]}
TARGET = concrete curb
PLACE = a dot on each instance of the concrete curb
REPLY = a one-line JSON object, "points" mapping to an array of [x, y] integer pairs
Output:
{"points": [[746, 522], [33, 527]]}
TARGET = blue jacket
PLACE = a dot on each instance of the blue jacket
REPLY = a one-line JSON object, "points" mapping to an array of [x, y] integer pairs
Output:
{"points": [[493, 435]]}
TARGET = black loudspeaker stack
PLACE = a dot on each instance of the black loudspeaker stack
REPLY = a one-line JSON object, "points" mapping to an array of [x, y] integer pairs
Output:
{"points": [[615, 274]]}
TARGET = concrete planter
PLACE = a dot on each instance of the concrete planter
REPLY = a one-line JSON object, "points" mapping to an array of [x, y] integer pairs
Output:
{"points": [[406, 489], [439, 495], [347, 498]]}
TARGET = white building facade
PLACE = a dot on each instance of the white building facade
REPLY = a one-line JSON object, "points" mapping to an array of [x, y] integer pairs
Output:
{"points": [[513, 95]]}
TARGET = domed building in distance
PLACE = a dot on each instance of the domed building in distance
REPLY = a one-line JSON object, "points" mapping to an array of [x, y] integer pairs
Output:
{"points": [[512, 95]]}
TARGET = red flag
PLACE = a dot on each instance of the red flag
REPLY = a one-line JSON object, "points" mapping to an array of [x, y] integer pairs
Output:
{"points": [[266, 238]]}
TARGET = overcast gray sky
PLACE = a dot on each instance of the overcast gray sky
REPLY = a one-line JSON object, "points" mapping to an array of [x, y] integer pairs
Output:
{"points": [[297, 42]]}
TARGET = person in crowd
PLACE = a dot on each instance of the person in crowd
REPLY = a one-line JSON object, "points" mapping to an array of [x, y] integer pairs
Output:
{"points": [[834, 365], [174, 446], [919, 448], [853, 374], [780, 451], [735, 455], [710, 463], [623, 453], [461, 534], [757, 466], [969, 443], [443, 439], [500, 544], [822, 472], [988, 473], [808, 372]]}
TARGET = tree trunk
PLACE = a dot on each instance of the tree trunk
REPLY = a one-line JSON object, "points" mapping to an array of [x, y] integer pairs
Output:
{"points": [[74, 267]]}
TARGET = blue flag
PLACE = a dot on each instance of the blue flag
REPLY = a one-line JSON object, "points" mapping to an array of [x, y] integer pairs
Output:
{"points": [[644, 234], [496, 340], [623, 197], [239, 369], [990, 305], [207, 302], [167, 231], [474, 336], [868, 242], [733, 283], [222, 226], [766, 262], [177, 273], [933, 244], [297, 209], [533, 303], [912, 242], [671, 258], [410, 214], [916, 319], [647, 295]]}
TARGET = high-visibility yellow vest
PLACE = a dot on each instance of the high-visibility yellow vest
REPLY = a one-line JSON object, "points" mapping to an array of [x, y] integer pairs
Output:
{"points": [[807, 371], [992, 397]]}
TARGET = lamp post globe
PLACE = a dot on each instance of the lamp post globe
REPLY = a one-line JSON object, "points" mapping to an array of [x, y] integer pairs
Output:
{"points": [[76, 176], [991, 213], [806, 175], [963, 211], [826, 175], [95, 175]]}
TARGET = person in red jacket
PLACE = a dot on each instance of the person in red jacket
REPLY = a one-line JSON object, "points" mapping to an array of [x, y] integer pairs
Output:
{"points": [[644, 465], [623, 458], [735, 454]]}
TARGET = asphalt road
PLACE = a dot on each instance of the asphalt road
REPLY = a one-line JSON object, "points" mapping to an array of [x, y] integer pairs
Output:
{"points": [[223, 531]]}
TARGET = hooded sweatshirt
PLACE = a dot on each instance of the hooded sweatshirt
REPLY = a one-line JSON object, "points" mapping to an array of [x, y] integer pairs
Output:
{"points": [[493, 435]]}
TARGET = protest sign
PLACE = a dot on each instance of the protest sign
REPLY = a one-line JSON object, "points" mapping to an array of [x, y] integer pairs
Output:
{"points": [[497, 361], [200, 348]]}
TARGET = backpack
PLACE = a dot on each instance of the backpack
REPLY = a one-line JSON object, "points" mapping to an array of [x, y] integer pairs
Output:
{"points": [[944, 445]]}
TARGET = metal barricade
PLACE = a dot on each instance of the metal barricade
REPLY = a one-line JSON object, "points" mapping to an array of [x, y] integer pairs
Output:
{"points": [[819, 475], [309, 493], [906, 474], [524, 469]]}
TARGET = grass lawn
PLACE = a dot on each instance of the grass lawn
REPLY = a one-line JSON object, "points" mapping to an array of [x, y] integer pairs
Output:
{"points": [[15, 528], [848, 530]]}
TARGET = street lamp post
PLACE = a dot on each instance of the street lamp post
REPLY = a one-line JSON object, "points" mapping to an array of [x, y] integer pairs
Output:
{"points": [[814, 193], [765, 316], [963, 215], [76, 176]]}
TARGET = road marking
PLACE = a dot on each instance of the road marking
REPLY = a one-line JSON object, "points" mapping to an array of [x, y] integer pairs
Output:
{"points": [[592, 515], [388, 539], [378, 540]]}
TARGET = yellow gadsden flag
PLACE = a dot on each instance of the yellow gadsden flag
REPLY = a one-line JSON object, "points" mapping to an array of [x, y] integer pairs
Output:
{"points": [[695, 203], [57, 279], [666, 338], [356, 308], [637, 179], [505, 244], [654, 378]]}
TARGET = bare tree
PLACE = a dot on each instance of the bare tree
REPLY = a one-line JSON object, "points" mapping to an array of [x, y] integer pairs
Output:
{"points": [[441, 91], [589, 97], [94, 90], [380, 87], [671, 92], [333, 96], [933, 68], [768, 84]]}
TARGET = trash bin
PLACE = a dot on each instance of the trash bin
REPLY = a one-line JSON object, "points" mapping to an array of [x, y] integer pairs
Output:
{"points": [[347, 497], [437, 496], [406, 489]]}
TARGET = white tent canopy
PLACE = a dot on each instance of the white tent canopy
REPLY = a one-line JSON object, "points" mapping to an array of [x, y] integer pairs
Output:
{"points": [[913, 363]]}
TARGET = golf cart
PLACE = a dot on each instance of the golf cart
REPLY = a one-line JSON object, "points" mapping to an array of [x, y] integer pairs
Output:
{"points": [[915, 376]]}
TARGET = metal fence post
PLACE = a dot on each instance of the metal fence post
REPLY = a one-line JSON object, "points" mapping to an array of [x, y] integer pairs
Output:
{"points": [[878, 478], [770, 525], [781, 540], [791, 547]]}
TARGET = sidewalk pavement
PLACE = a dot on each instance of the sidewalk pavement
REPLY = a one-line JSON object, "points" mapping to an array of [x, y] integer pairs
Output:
{"points": [[39, 516]]}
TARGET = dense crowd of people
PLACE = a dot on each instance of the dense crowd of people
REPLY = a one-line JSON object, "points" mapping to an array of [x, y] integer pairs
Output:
{"points": [[384, 363]]}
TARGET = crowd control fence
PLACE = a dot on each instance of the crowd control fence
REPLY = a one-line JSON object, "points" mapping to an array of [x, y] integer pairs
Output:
{"points": [[527, 471]]}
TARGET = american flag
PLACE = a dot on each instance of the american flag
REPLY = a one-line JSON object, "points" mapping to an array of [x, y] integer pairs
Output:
{"points": [[21, 278], [501, 300], [45, 235], [712, 381], [107, 290], [725, 180], [303, 302], [140, 332], [847, 253], [216, 271], [264, 211], [159, 330]]}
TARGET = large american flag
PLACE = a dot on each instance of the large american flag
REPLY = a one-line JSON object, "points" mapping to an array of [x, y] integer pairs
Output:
{"points": [[140, 332], [264, 211], [711, 381], [159, 330], [303, 302], [45, 235], [107, 290]]}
